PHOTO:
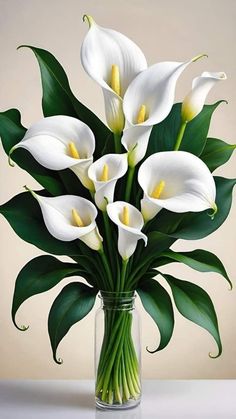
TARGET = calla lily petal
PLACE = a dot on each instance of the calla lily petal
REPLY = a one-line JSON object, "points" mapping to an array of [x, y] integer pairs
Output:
{"points": [[48, 141], [176, 180], [117, 166], [151, 92], [101, 50], [114, 111], [155, 89], [149, 208], [128, 235], [201, 86], [58, 217]]}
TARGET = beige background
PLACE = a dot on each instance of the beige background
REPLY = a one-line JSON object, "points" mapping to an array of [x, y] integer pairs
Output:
{"points": [[165, 30]]}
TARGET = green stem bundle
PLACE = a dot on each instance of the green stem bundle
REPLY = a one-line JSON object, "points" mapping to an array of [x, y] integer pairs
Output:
{"points": [[118, 369], [107, 268]]}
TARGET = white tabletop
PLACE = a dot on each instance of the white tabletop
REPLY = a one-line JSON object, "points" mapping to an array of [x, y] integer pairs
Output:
{"points": [[31, 399]]}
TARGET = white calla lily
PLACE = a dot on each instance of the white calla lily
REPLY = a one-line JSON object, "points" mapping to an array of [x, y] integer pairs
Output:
{"points": [[147, 101], [201, 86], [113, 61], [70, 217], [104, 173], [60, 142], [178, 181], [130, 222]]}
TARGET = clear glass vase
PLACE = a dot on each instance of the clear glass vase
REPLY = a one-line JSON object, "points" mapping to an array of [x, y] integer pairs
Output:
{"points": [[117, 351]]}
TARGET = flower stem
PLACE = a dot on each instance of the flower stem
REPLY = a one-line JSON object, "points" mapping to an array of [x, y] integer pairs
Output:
{"points": [[123, 274], [118, 370], [108, 234], [111, 249], [180, 135], [119, 339], [117, 138], [129, 183], [107, 267]]}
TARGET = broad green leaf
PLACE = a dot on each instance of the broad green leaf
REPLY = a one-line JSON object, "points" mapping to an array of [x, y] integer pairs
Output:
{"points": [[72, 304], [163, 136], [195, 304], [24, 215], [11, 132], [11, 129], [200, 260], [58, 98], [40, 275], [216, 153], [194, 226], [157, 303]]}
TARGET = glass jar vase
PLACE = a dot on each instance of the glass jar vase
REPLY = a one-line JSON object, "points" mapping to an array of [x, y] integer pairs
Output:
{"points": [[117, 351]]}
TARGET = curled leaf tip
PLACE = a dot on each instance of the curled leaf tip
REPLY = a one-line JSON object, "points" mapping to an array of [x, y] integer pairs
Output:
{"points": [[230, 286], [214, 211], [10, 161], [59, 361], [151, 352], [23, 328], [89, 20], [198, 57], [221, 101], [22, 46], [214, 356]]}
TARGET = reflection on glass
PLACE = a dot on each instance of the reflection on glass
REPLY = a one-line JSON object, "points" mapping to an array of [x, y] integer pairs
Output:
{"points": [[118, 414]]}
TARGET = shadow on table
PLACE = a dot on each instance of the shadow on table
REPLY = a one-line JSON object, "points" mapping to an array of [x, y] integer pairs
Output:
{"points": [[161, 392], [25, 395]]}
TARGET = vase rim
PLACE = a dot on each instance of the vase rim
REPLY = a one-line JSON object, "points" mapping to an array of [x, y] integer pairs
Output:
{"points": [[120, 298], [117, 294]]}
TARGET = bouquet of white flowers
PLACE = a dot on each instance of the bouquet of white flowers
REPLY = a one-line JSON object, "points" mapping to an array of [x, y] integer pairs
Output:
{"points": [[115, 199]]}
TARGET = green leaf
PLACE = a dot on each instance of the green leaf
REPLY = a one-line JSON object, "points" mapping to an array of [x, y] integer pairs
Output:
{"points": [[58, 98], [40, 275], [11, 129], [194, 226], [11, 132], [72, 304], [195, 304], [157, 303], [24, 215], [163, 136], [200, 260], [216, 153]]}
